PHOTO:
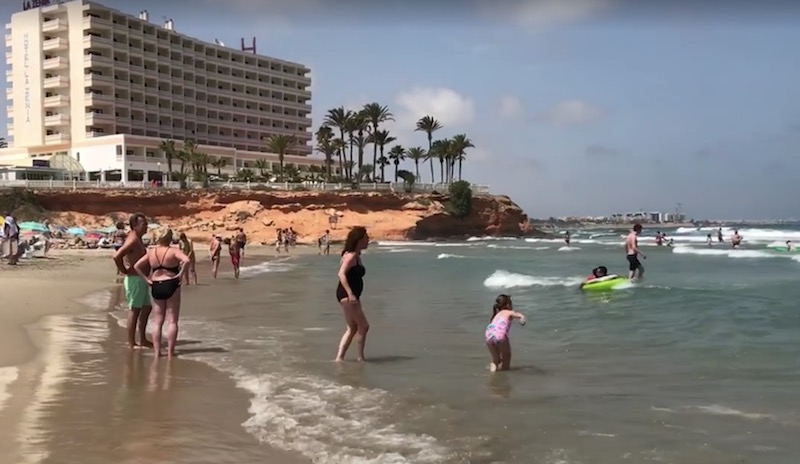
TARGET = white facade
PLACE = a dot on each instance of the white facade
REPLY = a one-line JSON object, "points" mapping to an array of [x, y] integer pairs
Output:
{"points": [[107, 88]]}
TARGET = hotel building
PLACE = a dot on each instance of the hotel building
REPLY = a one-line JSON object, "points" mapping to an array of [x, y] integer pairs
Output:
{"points": [[106, 89]]}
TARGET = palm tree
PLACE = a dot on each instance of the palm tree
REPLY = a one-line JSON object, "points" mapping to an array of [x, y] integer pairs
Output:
{"points": [[364, 172], [328, 149], [376, 114], [460, 143], [280, 144], [3, 142], [337, 118], [219, 163], [168, 147], [380, 139], [262, 165], [352, 127], [340, 145], [245, 175], [396, 155], [383, 162], [416, 154], [441, 150], [429, 125]]}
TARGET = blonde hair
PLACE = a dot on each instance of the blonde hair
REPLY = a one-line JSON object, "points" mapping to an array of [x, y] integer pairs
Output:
{"points": [[165, 238]]}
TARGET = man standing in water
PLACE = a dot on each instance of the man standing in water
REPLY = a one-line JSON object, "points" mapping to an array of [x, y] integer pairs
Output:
{"points": [[241, 241], [632, 253], [136, 290]]}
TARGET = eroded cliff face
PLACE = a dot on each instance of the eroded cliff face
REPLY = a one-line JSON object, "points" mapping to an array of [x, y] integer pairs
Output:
{"points": [[388, 216]]}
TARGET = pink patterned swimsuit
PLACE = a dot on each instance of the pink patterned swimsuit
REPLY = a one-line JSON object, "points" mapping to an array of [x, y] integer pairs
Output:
{"points": [[497, 330]]}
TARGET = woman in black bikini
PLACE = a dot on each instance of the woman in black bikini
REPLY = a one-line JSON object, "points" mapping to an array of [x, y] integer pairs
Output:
{"points": [[167, 266], [348, 292]]}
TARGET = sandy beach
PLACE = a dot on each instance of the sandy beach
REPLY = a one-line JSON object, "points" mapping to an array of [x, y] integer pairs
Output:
{"points": [[64, 369]]}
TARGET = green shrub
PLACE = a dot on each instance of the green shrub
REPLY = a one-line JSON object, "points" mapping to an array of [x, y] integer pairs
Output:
{"points": [[460, 204]]}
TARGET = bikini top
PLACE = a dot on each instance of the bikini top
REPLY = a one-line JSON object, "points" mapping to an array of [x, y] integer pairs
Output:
{"points": [[161, 266]]}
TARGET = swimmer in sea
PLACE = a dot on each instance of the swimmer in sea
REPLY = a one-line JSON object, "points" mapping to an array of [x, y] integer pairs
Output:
{"points": [[709, 240], [719, 235], [632, 253], [789, 246], [736, 239], [497, 339], [567, 238], [659, 238]]}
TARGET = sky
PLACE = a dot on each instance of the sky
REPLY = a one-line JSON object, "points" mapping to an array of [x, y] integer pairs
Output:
{"points": [[575, 107]]}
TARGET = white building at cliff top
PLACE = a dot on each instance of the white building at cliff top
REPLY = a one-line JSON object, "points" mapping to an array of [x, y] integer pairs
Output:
{"points": [[106, 89]]}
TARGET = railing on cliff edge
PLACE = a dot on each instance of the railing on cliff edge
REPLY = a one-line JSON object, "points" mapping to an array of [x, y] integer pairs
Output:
{"points": [[256, 186]]}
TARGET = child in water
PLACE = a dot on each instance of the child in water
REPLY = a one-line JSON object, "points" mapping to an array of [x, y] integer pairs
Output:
{"points": [[497, 333], [598, 272]]}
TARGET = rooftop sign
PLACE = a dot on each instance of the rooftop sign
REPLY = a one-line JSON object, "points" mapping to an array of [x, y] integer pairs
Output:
{"points": [[31, 4]]}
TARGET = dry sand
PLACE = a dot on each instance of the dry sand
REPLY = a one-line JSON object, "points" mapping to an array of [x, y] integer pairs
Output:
{"points": [[41, 287]]}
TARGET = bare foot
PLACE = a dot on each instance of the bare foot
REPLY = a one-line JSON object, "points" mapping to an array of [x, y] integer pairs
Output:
{"points": [[171, 355], [147, 344], [493, 367], [133, 346], [338, 360], [361, 359]]}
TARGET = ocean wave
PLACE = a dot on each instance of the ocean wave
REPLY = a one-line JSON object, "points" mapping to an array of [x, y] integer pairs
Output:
{"points": [[751, 234], [8, 375], [327, 422], [515, 247], [397, 243], [489, 239], [448, 255], [568, 248], [506, 279], [730, 253], [266, 267], [586, 241]]}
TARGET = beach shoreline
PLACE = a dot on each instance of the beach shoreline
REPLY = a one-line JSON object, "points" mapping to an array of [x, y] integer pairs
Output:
{"points": [[31, 348]]}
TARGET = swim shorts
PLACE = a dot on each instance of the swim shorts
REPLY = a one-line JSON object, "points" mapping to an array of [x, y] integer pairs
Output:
{"points": [[136, 292], [633, 263]]}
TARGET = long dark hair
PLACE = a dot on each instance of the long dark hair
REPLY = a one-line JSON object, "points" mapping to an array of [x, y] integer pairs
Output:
{"points": [[501, 302], [355, 236]]}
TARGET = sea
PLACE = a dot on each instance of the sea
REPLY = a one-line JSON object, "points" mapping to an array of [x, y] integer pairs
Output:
{"points": [[697, 363]]}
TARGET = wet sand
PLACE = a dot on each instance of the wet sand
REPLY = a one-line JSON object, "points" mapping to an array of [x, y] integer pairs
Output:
{"points": [[71, 391]]}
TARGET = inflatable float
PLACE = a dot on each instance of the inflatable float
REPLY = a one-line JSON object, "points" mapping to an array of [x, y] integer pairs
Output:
{"points": [[608, 282]]}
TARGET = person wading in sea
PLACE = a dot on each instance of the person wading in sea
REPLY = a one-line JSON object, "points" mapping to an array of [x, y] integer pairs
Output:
{"points": [[241, 241], [137, 291], [348, 292], [632, 253]]}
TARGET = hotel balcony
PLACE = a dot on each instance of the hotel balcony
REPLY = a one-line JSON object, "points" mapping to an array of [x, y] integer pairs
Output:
{"points": [[55, 101], [57, 62], [9, 40], [93, 99], [56, 120], [55, 82], [93, 41], [98, 119], [97, 80], [54, 25], [56, 138], [57, 43], [91, 22], [9, 74], [96, 60]]}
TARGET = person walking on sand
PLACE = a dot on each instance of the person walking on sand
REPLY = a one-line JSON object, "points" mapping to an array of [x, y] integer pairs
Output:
{"points": [[348, 292], [632, 253], [136, 290], [214, 251], [162, 268], [236, 257], [496, 333], [241, 241], [187, 247]]}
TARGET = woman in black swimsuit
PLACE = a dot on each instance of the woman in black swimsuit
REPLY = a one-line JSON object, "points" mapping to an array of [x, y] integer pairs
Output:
{"points": [[167, 266], [348, 292]]}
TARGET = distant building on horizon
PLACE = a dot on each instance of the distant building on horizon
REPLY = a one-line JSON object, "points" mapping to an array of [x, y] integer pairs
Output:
{"points": [[106, 88]]}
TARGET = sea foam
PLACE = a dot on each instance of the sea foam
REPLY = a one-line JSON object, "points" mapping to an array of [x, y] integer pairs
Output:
{"points": [[506, 279]]}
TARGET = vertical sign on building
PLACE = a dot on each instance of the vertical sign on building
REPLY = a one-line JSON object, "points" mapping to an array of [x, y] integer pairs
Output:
{"points": [[26, 64]]}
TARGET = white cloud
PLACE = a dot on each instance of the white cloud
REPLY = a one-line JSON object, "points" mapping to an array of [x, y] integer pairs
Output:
{"points": [[510, 107], [449, 107], [571, 113], [542, 13]]}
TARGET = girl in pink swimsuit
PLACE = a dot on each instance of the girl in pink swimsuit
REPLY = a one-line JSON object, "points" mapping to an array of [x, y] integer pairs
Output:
{"points": [[497, 333]]}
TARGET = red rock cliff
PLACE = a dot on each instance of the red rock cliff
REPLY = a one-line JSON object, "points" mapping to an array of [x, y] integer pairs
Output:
{"points": [[388, 216]]}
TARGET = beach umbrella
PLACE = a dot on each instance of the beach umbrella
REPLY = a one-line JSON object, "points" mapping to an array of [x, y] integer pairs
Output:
{"points": [[76, 231], [153, 225], [94, 236], [33, 226], [108, 230]]}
